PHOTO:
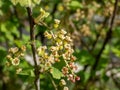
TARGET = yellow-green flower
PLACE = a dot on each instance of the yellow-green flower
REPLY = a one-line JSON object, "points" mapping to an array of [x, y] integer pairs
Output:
{"points": [[15, 62]]}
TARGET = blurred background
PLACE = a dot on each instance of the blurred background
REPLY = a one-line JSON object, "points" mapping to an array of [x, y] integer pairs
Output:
{"points": [[94, 26]]}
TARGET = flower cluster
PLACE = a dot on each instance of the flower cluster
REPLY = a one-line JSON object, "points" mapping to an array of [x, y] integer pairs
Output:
{"points": [[61, 48], [85, 30], [14, 56], [63, 83], [108, 9]]}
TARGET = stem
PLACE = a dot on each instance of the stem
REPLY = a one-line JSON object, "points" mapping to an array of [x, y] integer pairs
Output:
{"points": [[54, 10], [33, 47], [55, 86]]}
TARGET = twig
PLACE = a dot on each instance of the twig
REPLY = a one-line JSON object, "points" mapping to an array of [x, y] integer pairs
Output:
{"points": [[54, 10], [55, 86], [98, 34], [32, 39]]}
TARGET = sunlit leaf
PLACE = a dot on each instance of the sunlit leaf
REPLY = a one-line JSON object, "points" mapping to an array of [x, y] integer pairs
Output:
{"points": [[56, 73], [75, 4], [15, 2]]}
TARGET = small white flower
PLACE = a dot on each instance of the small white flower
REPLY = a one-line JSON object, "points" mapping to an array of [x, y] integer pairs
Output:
{"points": [[66, 56], [65, 88], [18, 70], [51, 59], [67, 46], [13, 50], [15, 61], [41, 50], [53, 48], [63, 31], [67, 38], [61, 36], [48, 35], [63, 82], [57, 21]]}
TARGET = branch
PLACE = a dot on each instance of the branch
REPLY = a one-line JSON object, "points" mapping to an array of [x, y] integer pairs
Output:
{"points": [[108, 36], [98, 34], [54, 10], [33, 46]]}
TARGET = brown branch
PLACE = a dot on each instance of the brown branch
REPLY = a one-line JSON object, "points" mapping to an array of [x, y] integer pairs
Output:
{"points": [[98, 34], [33, 46], [108, 37], [54, 10]]}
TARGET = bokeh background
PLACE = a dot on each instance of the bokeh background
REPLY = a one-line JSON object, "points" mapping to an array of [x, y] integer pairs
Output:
{"points": [[96, 42]]}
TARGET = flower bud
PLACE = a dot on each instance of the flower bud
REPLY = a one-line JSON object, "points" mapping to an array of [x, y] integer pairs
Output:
{"points": [[47, 35], [67, 38], [63, 31], [23, 48], [9, 57], [65, 88], [62, 82], [77, 78]]}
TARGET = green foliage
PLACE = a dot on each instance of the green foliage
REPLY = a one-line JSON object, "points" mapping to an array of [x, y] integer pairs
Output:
{"points": [[74, 4], [86, 21], [26, 3], [84, 57], [2, 55], [56, 73]]}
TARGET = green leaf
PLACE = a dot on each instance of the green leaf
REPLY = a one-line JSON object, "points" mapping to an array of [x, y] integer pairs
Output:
{"points": [[25, 3], [24, 73], [56, 73], [116, 51], [75, 4], [103, 62], [32, 73], [2, 55], [84, 57], [27, 73], [36, 1], [105, 77], [86, 76], [19, 43], [15, 2]]}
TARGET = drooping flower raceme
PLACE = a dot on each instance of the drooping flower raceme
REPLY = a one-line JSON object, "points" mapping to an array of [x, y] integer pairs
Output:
{"points": [[60, 49]]}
